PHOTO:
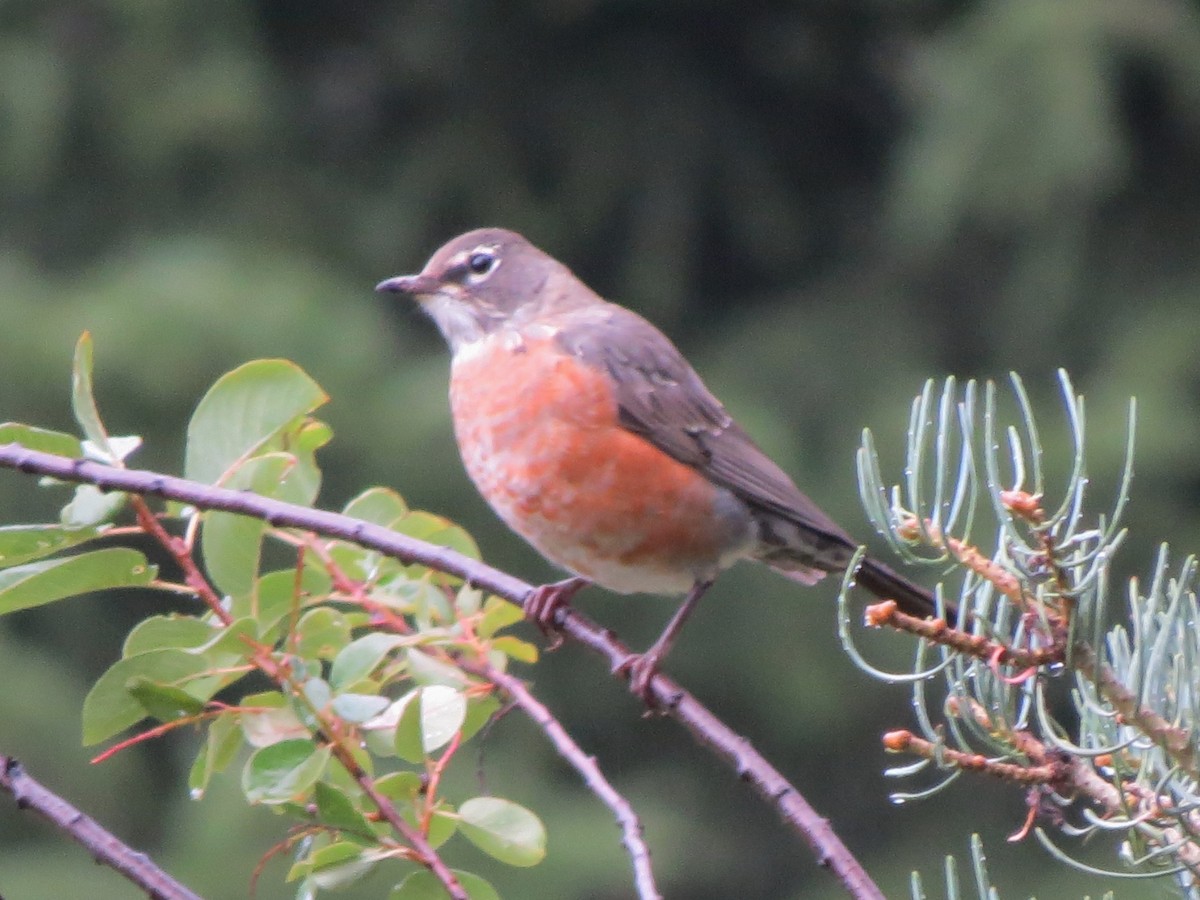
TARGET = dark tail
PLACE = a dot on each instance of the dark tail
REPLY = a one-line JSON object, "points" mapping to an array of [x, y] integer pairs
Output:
{"points": [[910, 597]]}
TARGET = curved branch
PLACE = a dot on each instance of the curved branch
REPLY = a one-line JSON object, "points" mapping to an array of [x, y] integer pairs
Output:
{"points": [[709, 731]]}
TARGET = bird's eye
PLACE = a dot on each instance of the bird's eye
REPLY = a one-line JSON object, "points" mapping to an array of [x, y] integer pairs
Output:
{"points": [[481, 263]]}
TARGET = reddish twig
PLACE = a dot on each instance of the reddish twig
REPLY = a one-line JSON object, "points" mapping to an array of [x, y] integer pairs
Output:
{"points": [[707, 729], [263, 658], [426, 855], [284, 846], [104, 847], [181, 552], [937, 631], [1066, 775], [155, 732], [433, 780], [906, 741], [968, 556]]}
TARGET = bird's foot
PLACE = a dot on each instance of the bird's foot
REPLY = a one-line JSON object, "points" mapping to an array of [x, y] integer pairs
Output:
{"points": [[640, 669], [544, 604]]}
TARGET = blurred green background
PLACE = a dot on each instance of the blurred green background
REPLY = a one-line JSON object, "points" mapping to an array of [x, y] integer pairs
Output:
{"points": [[822, 202]]}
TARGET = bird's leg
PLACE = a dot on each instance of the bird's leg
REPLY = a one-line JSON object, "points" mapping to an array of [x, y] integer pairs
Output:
{"points": [[642, 666], [542, 604]]}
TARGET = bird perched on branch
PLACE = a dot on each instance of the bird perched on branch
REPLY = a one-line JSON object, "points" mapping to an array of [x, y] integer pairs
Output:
{"points": [[594, 439]]}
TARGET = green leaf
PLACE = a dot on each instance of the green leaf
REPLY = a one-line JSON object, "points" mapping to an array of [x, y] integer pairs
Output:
{"points": [[378, 505], [83, 404], [515, 648], [358, 708], [228, 649], [335, 867], [497, 615], [317, 692], [425, 669], [339, 779], [232, 544], [504, 830], [242, 411], [443, 825], [411, 595], [469, 600], [363, 564], [91, 506], [438, 530], [304, 480], [443, 710], [220, 746], [119, 446], [24, 543], [379, 736], [164, 702], [42, 582], [407, 739], [424, 885], [322, 633], [428, 718], [479, 712], [222, 656], [283, 772], [276, 595], [359, 658], [337, 810], [341, 864], [371, 686], [268, 719], [400, 787], [109, 706], [32, 438], [158, 632]]}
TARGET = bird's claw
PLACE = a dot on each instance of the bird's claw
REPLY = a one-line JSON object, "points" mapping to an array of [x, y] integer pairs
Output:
{"points": [[544, 604], [640, 669]]}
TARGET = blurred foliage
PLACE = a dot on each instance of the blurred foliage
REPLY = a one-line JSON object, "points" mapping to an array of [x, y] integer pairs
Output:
{"points": [[822, 202]]}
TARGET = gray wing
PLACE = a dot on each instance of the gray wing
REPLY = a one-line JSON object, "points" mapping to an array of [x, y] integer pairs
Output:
{"points": [[662, 399]]}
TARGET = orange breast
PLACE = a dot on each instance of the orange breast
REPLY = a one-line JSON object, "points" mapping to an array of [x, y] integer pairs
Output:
{"points": [[539, 436]]}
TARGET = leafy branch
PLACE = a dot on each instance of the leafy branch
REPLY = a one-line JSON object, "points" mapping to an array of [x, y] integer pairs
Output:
{"points": [[384, 640], [1097, 724]]}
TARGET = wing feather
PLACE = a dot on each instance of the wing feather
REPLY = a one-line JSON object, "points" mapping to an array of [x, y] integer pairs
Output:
{"points": [[661, 398]]}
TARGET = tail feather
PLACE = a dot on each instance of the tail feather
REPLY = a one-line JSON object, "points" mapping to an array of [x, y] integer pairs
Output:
{"points": [[801, 574], [799, 550], [910, 597]]}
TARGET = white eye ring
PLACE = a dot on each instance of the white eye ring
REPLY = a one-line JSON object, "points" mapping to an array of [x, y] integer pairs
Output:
{"points": [[480, 264]]}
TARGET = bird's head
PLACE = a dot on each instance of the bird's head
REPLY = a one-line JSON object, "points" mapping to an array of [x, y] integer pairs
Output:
{"points": [[485, 280]]}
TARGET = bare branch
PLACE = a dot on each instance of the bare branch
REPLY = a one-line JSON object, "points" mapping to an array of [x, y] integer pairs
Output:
{"points": [[104, 846]]}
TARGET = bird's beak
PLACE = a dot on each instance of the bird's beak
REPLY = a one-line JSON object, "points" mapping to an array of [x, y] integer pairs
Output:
{"points": [[412, 285]]}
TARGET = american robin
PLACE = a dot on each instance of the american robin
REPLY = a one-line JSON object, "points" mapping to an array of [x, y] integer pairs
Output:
{"points": [[594, 439]]}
